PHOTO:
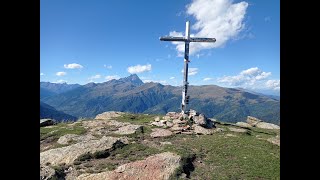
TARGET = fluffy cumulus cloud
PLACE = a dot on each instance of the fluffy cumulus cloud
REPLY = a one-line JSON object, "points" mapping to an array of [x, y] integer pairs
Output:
{"points": [[139, 68], [171, 77], [220, 19], [191, 71], [273, 84], [41, 74], [61, 73], [252, 78], [73, 66], [108, 78], [164, 82]]}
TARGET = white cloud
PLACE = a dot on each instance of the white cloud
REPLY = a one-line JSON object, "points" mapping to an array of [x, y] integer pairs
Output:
{"points": [[108, 67], [273, 84], [139, 69], [220, 19], [60, 81], [108, 78], [73, 66], [155, 81], [252, 78], [171, 77], [191, 71], [98, 76], [41, 74], [207, 79], [61, 73]]}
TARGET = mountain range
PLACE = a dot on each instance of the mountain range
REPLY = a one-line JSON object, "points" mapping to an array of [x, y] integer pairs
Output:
{"points": [[130, 94]]}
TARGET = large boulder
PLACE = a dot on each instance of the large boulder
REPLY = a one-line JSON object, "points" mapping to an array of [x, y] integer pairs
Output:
{"points": [[47, 122], [265, 125], [46, 173], [157, 167], [66, 139], [201, 130], [157, 132], [253, 121], [109, 115], [129, 129], [243, 124], [70, 153]]}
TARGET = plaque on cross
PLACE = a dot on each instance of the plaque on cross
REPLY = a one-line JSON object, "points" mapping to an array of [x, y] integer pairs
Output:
{"points": [[186, 39]]}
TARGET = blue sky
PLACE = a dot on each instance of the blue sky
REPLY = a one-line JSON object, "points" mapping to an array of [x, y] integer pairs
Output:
{"points": [[85, 41]]}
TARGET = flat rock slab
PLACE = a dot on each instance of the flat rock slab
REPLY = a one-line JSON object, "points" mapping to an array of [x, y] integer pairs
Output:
{"points": [[275, 140], [157, 132], [157, 167], [109, 115], [128, 129], [65, 139], [238, 130], [265, 125], [201, 130], [68, 154], [243, 124], [46, 172]]}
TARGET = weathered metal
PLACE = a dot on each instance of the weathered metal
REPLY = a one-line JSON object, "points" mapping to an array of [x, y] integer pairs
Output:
{"points": [[186, 39]]}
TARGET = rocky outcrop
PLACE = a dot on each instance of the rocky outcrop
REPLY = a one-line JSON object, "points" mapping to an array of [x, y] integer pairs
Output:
{"points": [[255, 122], [66, 139], [243, 124], [157, 132], [109, 115], [69, 153], [47, 122], [201, 130], [46, 173], [129, 129], [265, 125], [275, 140], [157, 167]]}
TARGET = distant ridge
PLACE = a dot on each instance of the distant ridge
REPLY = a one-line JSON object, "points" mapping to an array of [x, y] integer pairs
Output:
{"points": [[130, 94]]}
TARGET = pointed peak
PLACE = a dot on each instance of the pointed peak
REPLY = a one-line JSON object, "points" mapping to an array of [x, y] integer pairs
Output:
{"points": [[133, 78]]}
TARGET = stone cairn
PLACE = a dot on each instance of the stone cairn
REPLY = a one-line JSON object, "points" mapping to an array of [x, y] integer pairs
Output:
{"points": [[189, 123]]}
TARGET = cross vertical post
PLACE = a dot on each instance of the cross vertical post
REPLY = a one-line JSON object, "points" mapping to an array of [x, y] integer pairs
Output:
{"points": [[186, 39]]}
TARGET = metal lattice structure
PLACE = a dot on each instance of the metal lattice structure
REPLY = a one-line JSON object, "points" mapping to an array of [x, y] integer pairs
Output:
{"points": [[187, 39]]}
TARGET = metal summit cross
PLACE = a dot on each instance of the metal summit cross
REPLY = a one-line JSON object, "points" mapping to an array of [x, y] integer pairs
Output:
{"points": [[187, 39]]}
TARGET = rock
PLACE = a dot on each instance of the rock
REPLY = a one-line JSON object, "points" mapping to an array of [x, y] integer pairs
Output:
{"points": [[73, 137], [69, 153], [202, 121], [157, 132], [166, 118], [253, 121], [231, 135], [109, 115], [201, 130], [163, 121], [265, 125], [157, 119], [157, 167], [46, 173], [275, 140], [238, 130], [129, 129], [178, 121], [176, 127], [192, 113], [243, 124], [169, 124], [173, 115], [159, 124], [47, 122]]}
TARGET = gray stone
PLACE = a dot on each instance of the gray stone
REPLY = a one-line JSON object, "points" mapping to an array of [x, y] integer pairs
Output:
{"points": [[65, 139], [157, 119], [129, 129], [46, 173], [47, 122], [156, 167], [157, 132], [253, 121], [201, 130], [69, 153], [159, 124], [265, 125], [169, 124], [109, 115], [243, 124]]}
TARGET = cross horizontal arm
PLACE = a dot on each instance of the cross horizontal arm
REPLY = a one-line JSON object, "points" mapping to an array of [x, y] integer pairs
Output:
{"points": [[193, 39], [170, 38]]}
